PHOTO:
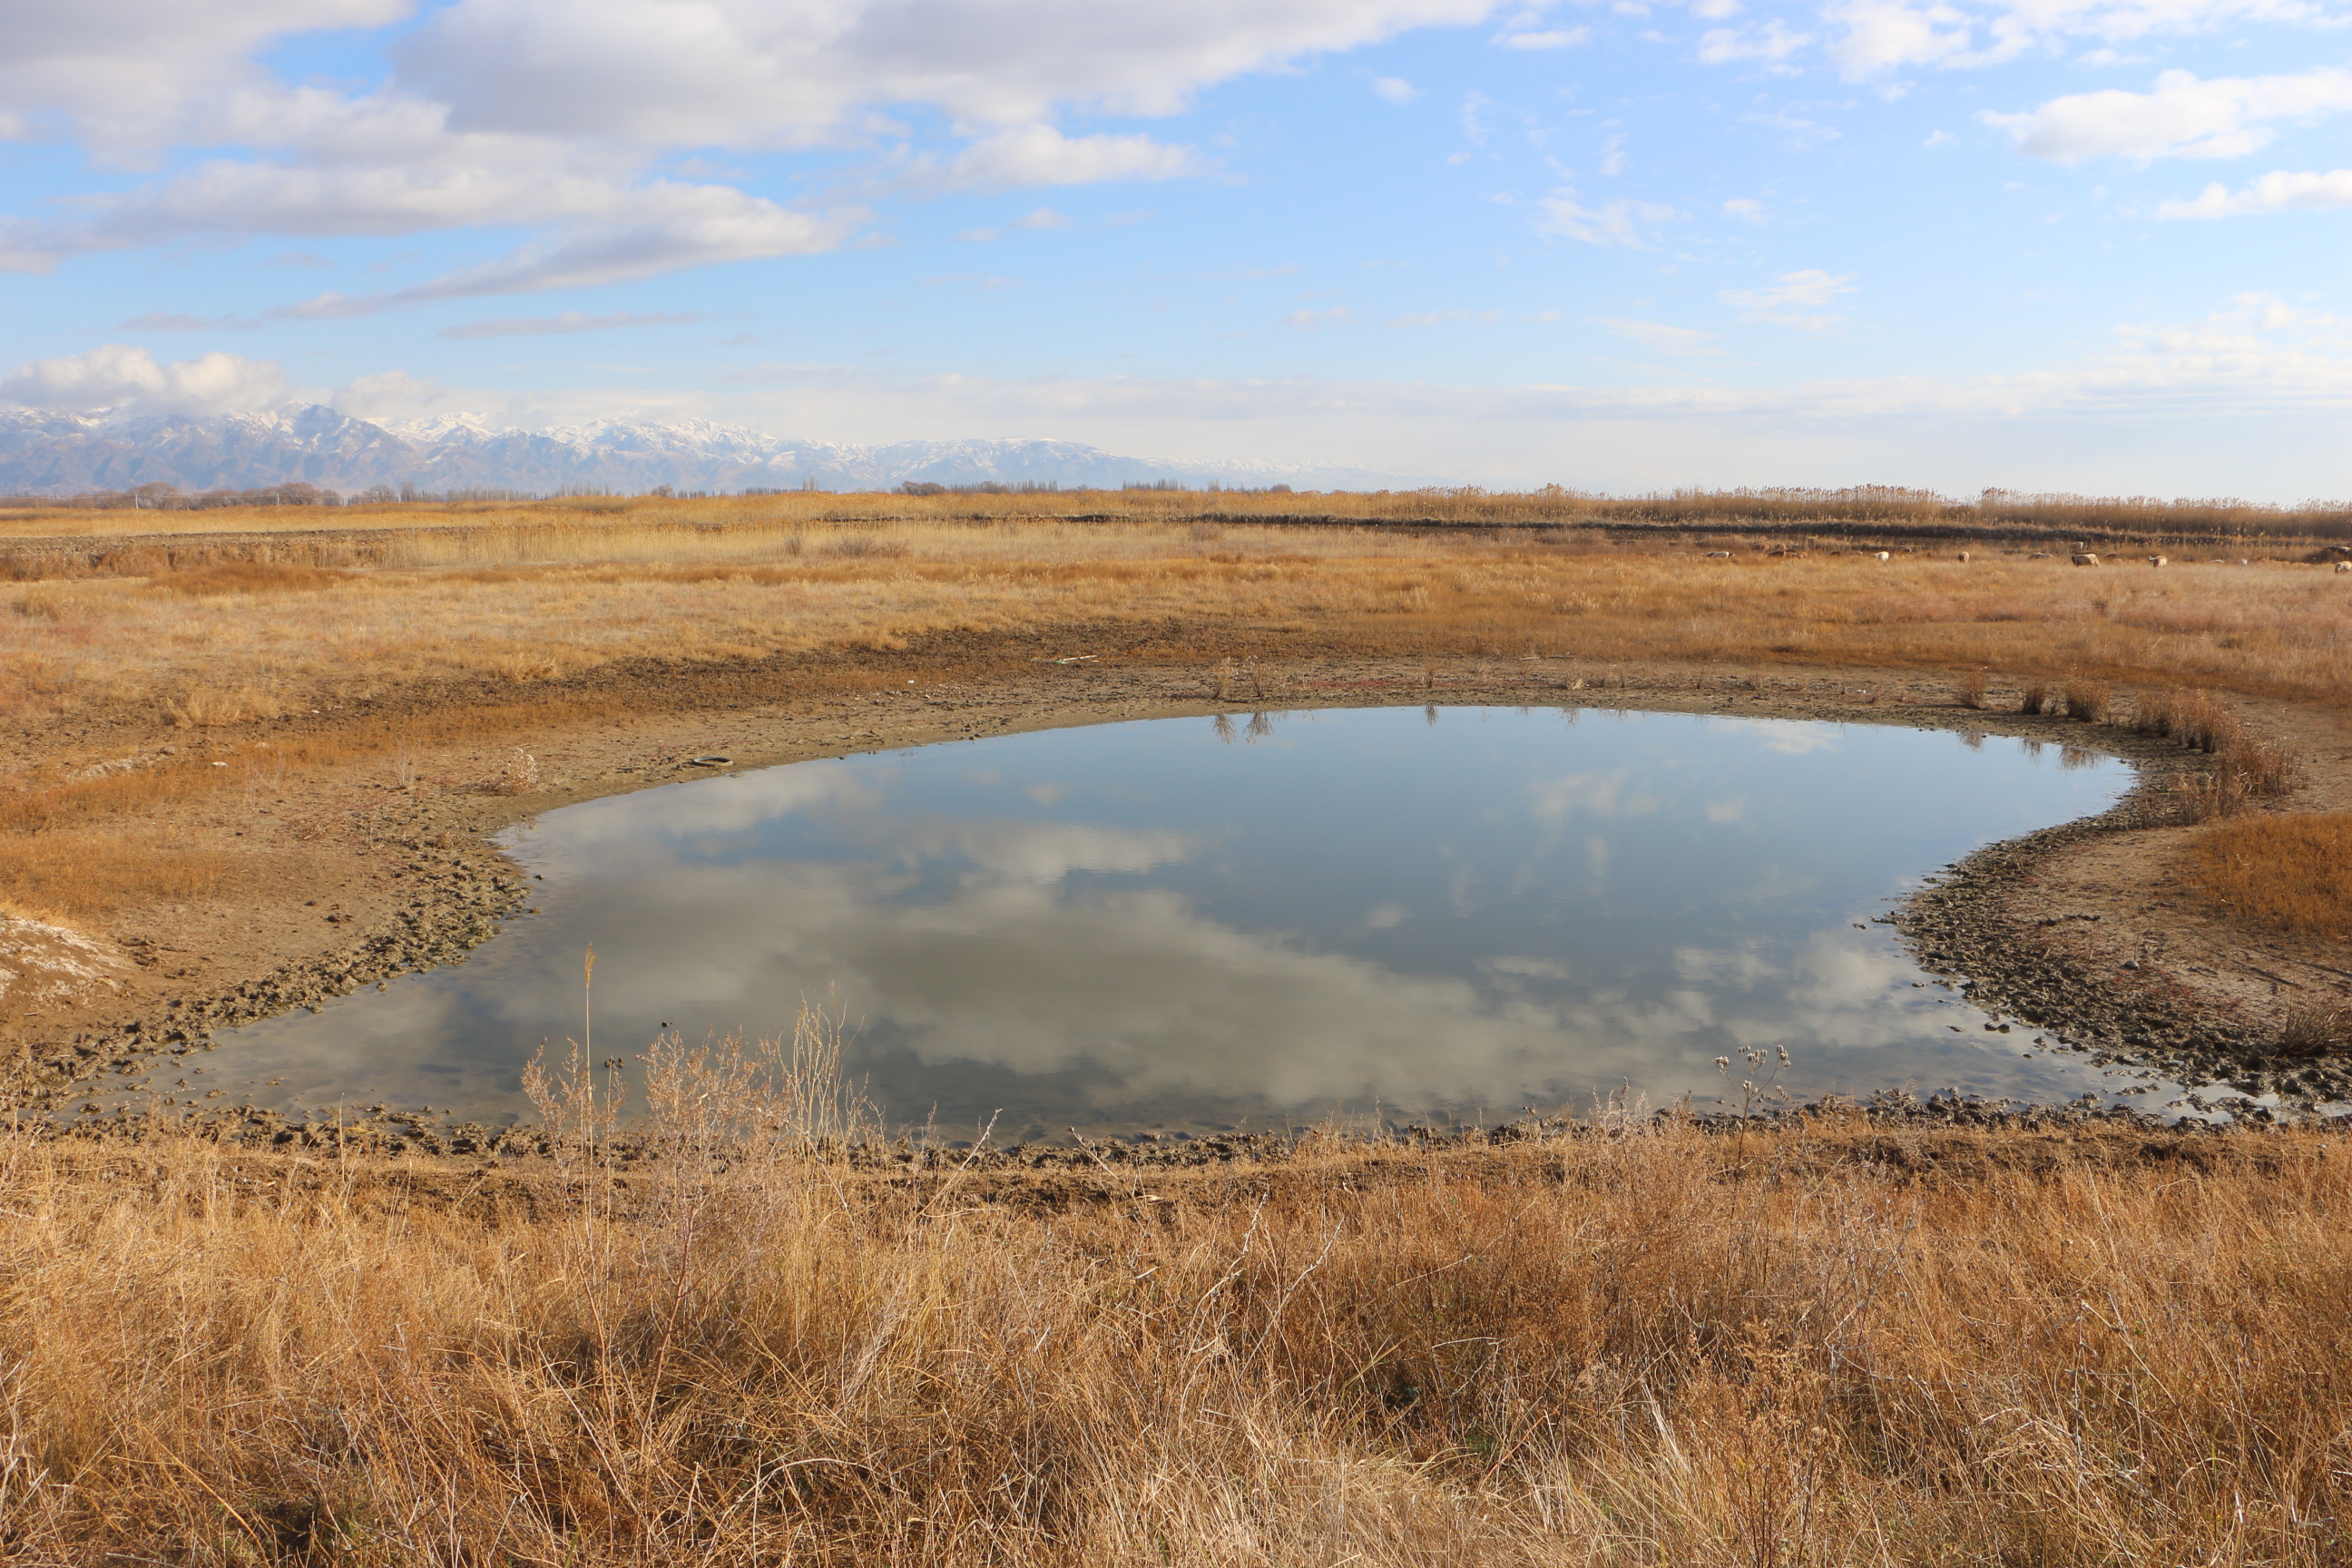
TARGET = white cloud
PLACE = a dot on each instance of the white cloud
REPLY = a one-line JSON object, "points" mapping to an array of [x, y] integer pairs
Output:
{"points": [[1616, 223], [1042, 218], [123, 71], [1031, 155], [117, 377], [2220, 117], [1683, 343], [1745, 208], [1789, 294], [394, 394], [1612, 156], [549, 114], [1880, 36], [1550, 39], [1771, 43], [2273, 192], [1394, 90], [750, 73]]}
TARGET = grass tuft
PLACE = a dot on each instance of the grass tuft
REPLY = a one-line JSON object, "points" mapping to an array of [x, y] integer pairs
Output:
{"points": [[2291, 872]]}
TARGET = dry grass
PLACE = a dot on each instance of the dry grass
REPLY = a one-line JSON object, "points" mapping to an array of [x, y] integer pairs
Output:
{"points": [[2291, 872], [1651, 1347], [1644, 1345], [525, 597], [538, 601], [1995, 513]]}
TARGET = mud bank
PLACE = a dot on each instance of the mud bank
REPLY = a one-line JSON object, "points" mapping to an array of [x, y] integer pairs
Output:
{"points": [[348, 878]]}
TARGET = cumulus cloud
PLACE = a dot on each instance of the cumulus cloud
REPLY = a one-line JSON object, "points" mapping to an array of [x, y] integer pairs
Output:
{"points": [[2183, 117], [2277, 192], [1394, 90], [118, 377], [124, 72], [551, 113]]}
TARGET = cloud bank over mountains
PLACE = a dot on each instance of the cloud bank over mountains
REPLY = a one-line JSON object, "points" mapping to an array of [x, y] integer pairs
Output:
{"points": [[49, 452]]}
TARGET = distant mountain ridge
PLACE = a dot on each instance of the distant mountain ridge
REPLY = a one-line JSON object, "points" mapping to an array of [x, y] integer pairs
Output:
{"points": [[50, 453]]}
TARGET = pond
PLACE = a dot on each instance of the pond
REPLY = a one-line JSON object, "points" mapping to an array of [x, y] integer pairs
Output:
{"points": [[1194, 924]]}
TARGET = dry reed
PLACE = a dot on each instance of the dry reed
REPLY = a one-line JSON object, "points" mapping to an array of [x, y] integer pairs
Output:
{"points": [[1643, 1345]]}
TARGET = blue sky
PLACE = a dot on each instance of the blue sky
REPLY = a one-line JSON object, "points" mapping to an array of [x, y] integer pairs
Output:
{"points": [[2090, 245]]}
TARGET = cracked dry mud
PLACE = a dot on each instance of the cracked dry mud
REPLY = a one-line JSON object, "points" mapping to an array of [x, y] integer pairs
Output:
{"points": [[346, 876]]}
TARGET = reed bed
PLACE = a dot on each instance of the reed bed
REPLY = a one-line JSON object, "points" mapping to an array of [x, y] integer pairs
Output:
{"points": [[1642, 1344]]}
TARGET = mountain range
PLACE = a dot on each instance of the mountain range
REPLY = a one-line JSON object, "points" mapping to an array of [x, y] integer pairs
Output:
{"points": [[46, 452]]}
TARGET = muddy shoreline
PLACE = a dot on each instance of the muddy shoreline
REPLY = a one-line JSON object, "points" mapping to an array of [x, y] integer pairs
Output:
{"points": [[2031, 928]]}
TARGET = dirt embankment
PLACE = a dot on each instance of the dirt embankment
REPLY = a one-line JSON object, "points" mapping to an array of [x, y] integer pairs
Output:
{"points": [[347, 875]]}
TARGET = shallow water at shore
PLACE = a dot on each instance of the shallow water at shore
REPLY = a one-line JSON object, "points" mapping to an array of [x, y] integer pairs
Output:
{"points": [[1196, 924]]}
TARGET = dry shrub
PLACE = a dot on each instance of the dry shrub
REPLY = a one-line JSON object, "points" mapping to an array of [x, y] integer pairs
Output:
{"points": [[518, 775], [2293, 872], [244, 577], [865, 546], [2315, 1029], [202, 706], [1651, 1347], [1970, 689], [2036, 700], [2087, 700]]}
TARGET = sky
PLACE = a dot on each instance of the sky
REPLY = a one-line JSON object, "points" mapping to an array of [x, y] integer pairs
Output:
{"points": [[2092, 245]]}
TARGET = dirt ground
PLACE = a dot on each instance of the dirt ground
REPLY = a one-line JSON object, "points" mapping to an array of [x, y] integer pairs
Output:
{"points": [[342, 876]]}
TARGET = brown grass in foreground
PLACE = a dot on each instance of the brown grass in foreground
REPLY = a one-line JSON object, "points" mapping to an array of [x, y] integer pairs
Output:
{"points": [[2291, 872], [1647, 1346]]}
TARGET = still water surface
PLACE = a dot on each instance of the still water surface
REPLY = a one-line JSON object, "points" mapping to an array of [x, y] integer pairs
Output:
{"points": [[1192, 925]]}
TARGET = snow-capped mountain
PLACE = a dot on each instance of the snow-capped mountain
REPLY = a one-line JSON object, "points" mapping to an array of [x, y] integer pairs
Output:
{"points": [[49, 452]]}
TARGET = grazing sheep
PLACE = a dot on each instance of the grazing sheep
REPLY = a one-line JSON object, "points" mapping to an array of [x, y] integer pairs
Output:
{"points": [[1719, 555], [2343, 565], [1964, 555], [2157, 561], [1881, 555], [2085, 559]]}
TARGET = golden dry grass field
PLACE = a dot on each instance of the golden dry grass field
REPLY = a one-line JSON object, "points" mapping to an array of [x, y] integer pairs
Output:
{"points": [[1832, 1346], [345, 633], [1831, 1342]]}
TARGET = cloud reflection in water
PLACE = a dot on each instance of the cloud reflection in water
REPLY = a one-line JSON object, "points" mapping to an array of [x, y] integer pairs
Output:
{"points": [[1137, 924]]}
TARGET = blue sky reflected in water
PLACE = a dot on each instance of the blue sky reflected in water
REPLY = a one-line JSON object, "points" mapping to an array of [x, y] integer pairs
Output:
{"points": [[1187, 923]]}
